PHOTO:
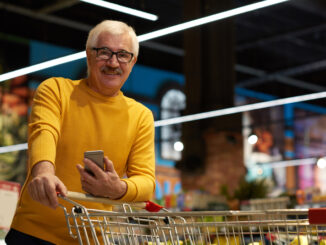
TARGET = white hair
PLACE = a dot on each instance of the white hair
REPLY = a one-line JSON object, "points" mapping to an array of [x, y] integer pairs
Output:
{"points": [[115, 28]]}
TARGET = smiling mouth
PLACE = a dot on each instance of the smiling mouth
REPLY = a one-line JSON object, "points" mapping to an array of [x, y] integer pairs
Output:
{"points": [[111, 74]]}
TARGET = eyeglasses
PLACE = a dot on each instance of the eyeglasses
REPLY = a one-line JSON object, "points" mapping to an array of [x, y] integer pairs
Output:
{"points": [[106, 54]]}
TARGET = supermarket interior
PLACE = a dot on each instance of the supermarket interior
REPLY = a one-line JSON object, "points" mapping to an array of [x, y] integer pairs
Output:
{"points": [[238, 97]]}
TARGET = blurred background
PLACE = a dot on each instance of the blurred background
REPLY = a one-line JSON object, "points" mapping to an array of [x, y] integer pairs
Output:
{"points": [[248, 158]]}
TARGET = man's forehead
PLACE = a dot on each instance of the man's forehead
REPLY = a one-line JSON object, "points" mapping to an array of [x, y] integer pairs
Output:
{"points": [[122, 41]]}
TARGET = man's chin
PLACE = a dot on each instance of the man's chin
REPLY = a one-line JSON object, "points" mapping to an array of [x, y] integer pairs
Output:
{"points": [[111, 82]]}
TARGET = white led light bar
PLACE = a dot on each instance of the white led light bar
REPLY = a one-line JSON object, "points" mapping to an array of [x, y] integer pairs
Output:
{"points": [[237, 109], [208, 19], [144, 37], [289, 163], [10, 148], [122, 9], [42, 66]]}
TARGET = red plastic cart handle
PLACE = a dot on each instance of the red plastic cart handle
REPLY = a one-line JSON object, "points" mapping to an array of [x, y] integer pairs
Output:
{"points": [[317, 216], [152, 207]]}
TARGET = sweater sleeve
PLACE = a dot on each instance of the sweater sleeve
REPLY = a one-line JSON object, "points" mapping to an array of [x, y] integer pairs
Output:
{"points": [[141, 162], [44, 124]]}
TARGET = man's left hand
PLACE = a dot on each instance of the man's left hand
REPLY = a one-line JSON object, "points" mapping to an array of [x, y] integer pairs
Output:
{"points": [[104, 183]]}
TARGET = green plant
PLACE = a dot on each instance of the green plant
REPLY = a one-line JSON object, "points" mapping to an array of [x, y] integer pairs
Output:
{"points": [[251, 189]]}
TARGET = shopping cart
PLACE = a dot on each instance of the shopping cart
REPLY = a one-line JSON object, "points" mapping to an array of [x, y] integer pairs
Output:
{"points": [[150, 224]]}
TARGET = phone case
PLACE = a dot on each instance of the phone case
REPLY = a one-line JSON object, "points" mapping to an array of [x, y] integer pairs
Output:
{"points": [[95, 156]]}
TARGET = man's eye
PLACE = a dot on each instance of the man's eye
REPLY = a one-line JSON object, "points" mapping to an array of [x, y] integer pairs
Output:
{"points": [[104, 53], [123, 55]]}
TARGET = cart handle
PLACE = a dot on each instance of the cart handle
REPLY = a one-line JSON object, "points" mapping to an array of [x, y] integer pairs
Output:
{"points": [[317, 216], [148, 205]]}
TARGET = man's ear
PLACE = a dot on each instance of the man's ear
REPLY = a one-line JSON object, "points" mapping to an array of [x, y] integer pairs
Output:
{"points": [[88, 54], [134, 60]]}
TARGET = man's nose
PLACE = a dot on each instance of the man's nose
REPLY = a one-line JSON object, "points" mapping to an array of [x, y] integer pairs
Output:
{"points": [[113, 61]]}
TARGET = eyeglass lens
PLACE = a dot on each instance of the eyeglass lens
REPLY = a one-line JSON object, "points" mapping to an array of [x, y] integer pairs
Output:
{"points": [[107, 54]]}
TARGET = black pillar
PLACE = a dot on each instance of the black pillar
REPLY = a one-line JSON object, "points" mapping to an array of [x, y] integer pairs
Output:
{"points": [[210, 75]]}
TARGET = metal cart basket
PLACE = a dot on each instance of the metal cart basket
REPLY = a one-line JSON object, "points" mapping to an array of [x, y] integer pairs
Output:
{"points": [[133, 224]]}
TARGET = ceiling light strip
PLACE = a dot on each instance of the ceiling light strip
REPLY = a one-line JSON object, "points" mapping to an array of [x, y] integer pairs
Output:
{"points": [[11, 148], [221, 112], [288, 163], [145, 37], [42, 66], [237, 109], [123, 9], [208, 19]]}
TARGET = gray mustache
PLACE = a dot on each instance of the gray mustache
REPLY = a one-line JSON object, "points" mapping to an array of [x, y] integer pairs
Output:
{"points": [[107, 69]]}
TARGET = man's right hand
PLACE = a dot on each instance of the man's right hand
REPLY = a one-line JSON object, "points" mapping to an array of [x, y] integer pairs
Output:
{"points": [[44, 185]]}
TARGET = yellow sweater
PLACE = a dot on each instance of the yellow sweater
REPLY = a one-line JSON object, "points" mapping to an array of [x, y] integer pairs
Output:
{"points": [[69, 118]]}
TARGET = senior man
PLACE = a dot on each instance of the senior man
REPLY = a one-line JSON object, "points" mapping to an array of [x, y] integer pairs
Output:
{"points": [[70, 117]]}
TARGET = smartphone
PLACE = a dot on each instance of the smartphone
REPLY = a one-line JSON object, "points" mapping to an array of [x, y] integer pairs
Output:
{"points": [[97, 157]]}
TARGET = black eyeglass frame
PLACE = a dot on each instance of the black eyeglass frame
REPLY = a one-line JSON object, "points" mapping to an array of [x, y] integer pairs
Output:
{"points": [[114, 53]]}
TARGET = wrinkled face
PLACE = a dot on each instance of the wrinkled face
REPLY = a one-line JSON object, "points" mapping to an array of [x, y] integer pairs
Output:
{"points": [[108, 76]]}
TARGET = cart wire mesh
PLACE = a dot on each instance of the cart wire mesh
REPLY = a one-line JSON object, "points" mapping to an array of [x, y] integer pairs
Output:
{"points": [[130, 225]]}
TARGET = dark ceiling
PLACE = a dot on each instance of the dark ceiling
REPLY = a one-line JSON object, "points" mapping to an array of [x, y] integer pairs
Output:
{"points": [[280, 50]]}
